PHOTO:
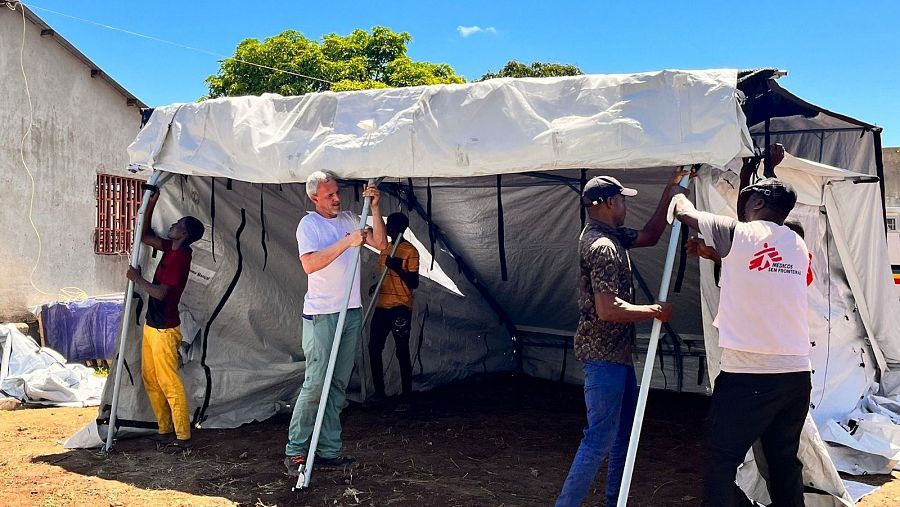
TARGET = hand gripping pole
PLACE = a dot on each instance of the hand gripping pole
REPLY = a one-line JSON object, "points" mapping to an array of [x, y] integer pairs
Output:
{"points": [[648, 364]]}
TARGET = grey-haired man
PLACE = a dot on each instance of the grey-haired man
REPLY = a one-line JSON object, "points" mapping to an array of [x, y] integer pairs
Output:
{"points": [[325, 239]]}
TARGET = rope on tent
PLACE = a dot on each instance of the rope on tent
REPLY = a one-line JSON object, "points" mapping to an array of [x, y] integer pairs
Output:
{"points": [[501, 236], [262, 222], [212, 217], [199, 415]]}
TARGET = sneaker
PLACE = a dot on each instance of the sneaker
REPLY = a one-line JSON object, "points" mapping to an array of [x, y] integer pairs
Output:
{"points": [[292, 463], [162, 438], [181, 444], [338, 463]]}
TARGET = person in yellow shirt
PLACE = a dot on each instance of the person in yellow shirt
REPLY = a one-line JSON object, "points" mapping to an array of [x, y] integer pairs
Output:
{"points": [[393, 309]]}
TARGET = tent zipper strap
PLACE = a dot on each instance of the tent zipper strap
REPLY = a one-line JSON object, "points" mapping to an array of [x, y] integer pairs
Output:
{"points": [[501, 236], [199, 416]]}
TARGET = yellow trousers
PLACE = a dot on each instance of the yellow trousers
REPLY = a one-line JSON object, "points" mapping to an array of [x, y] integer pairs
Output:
{"points": [[159, 369]]}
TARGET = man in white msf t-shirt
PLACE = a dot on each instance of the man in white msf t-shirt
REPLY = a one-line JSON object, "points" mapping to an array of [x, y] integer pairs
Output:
{"points": [[763, 389]]}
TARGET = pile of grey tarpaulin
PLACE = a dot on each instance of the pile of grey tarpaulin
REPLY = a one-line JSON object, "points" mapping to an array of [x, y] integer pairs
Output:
{"points": [[38, 375]]}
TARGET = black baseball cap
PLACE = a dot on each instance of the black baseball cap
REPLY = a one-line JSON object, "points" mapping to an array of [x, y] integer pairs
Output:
{"points": [[600, 188], [778, 194]]}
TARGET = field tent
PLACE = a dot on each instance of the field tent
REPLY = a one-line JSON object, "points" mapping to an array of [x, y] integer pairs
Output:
{"points": [[490, 174]]}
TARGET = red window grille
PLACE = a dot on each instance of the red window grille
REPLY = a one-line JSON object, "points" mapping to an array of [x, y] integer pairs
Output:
{"points": [[118, 202]]}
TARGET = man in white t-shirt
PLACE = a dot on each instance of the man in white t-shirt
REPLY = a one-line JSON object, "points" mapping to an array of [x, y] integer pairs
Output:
{"points": [[763, 389], [326, 239]]}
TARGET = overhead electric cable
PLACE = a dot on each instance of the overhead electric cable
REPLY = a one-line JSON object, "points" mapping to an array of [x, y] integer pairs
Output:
{"points": [[176, 44]]}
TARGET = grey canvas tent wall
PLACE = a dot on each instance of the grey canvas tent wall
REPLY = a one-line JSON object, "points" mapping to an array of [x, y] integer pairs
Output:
{"points": [[490, 175], [809, 131]]}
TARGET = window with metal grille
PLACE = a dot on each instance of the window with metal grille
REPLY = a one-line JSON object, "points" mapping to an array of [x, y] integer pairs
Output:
{"points": [[118, 201]]}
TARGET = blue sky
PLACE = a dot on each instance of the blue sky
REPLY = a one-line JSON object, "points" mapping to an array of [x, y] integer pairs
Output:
{"points": [[844, 56]]}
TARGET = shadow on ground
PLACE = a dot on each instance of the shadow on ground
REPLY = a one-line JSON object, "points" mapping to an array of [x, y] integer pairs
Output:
{"points": [[491, 441]]}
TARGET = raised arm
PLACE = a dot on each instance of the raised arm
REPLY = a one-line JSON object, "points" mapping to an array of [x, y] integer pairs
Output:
{"points": [[148, 237], [653, 230], [378, 238]]}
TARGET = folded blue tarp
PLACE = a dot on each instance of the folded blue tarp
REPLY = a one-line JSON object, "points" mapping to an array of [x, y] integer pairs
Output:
{"points": [[82, 330]]}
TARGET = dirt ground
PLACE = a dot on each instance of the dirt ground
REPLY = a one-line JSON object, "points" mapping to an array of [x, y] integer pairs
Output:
{"points": [[488, 442]]}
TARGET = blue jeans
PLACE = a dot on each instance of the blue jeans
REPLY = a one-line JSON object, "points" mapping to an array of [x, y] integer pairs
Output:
{"points": [[610, 394]]}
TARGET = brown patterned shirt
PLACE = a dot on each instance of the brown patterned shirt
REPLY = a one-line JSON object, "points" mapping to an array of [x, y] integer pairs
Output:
{"points": [[605, 267]]}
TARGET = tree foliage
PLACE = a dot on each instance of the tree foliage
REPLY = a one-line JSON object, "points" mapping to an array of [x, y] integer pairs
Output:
{"points": [[514, 68], [360, 60]]}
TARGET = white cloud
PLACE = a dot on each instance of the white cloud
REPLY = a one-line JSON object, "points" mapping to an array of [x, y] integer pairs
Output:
{"points": [[465, 31]]}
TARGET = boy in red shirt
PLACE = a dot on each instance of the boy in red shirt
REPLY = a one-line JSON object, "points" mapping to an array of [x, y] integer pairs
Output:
{"points": [[162, 336]]}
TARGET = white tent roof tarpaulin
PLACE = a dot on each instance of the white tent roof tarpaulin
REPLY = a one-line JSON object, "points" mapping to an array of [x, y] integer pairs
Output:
{"points": [[241, 306], [498, 126]]}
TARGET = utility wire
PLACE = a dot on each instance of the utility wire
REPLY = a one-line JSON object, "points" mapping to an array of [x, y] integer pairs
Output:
{"points": [[176, 44]]}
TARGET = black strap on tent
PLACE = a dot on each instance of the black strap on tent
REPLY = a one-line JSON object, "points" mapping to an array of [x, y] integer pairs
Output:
{"points": [[127, 370], [670, 331], [431, 234], [183, 177], [581, 208], [565, 350], [501, 236], [139, 306], [212, 217], [199, 415], [418, 357], [126, 423], [228, 184], [768, 168], [682, 258], [262, 223]]}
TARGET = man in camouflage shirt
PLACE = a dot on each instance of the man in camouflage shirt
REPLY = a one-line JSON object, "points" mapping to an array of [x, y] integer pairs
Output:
{"points": [[604, 341]]}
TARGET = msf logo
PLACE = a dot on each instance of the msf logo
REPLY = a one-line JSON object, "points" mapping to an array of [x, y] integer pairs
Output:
{"points": [[764, 258]]}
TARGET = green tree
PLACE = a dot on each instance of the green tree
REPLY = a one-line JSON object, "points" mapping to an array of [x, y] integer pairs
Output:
{"points": [[514, 68], [360, 60]]}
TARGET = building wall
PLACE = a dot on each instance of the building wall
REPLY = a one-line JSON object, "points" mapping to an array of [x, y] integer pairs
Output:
{"points": [[891, 158], [82, 126]]}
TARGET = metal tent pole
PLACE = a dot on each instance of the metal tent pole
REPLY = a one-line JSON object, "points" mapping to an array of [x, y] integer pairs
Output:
{"points": [[649, 360], [157, 179], [381, 280], [307, 468]]}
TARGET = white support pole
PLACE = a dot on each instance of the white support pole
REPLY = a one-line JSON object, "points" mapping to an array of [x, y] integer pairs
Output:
{"points": [[157, 179], [374, 300], [307, 468], [649, 361]]}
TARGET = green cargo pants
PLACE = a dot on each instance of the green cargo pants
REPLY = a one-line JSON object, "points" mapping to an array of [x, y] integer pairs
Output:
{"points": [[318, 335]]}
